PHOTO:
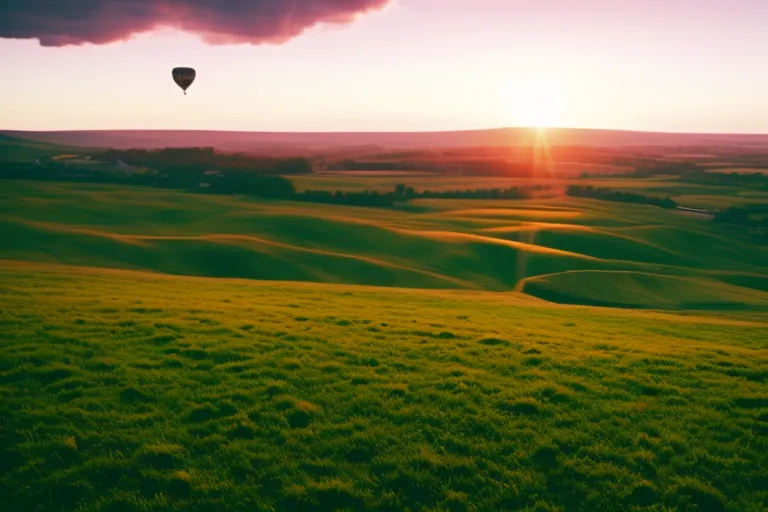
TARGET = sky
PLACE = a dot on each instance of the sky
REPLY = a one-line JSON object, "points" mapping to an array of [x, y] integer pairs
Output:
{"points": [[385, 65]]}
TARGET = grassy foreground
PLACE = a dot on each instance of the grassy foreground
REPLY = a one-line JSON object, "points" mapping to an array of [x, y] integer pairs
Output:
{"points": [[132, 391]]}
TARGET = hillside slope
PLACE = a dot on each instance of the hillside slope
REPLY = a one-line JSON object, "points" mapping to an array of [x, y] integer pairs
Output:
{"points": [[492, 245], [13, 149], [640, 290], [131, 391]]}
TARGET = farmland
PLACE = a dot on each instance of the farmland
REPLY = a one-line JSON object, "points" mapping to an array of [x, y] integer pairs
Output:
{"points": [[169, 349], [470, 244]]}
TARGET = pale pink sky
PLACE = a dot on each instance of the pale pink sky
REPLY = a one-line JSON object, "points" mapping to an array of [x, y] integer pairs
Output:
{"points": [[667, 65]]}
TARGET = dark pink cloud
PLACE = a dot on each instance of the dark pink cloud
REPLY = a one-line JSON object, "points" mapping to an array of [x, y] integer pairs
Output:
{"points": [[64, 22]]}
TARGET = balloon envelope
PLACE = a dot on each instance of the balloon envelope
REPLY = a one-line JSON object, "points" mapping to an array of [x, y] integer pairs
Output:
{"points": [[183, 77]]}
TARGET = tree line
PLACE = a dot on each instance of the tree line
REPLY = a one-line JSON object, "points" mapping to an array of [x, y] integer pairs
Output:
{"points": [[689, 172], [370, 198], [468, 167], [742, 215], [241, 182], [607, 194], [349, 164], [747, 217], [700, 177], [403, 193], [198, 160], [480, 193], [233, 182]]}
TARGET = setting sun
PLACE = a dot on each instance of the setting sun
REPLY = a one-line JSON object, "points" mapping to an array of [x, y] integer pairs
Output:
{"points": [[532, 103]]}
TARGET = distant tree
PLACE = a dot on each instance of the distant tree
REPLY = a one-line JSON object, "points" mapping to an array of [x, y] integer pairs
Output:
{"points": [[274, 187], [606, 194], [293, 166], [738, 216]]}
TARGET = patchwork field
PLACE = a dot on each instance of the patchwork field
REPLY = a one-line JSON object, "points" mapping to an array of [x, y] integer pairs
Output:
{"points": [[687, 194], [469, 244]]}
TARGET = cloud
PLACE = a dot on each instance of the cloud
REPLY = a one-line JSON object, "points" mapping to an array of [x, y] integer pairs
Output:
{"points": [[65, 22]]}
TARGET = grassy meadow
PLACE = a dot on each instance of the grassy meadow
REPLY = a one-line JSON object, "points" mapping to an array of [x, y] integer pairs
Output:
{"points": [[13, 149], [467, 244], [162, 350], [136, 391]]}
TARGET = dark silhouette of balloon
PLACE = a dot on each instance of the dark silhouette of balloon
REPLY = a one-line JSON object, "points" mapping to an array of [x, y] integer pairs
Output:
{"points": [[184, 77]]}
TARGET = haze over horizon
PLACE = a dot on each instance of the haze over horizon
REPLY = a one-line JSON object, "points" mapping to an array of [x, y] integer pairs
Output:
{"points": [[379, 66]]}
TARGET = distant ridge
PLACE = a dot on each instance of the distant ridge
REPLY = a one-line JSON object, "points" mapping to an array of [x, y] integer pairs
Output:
{"points": [[243, 140]]}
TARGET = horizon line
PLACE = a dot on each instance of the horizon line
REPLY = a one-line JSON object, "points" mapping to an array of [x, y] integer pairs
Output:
{"points": [[347, 132]]}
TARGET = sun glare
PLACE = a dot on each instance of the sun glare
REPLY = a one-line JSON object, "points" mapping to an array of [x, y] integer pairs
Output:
{"points": [[532, 103]]}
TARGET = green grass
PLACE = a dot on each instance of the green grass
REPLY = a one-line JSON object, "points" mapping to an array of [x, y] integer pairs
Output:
{"points": [[639, 290], [140, 372], [443, 244], [13, 149], [123, 390]]}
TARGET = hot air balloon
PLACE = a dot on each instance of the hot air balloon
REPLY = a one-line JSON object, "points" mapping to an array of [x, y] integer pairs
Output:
{"points": [[183, 77]]}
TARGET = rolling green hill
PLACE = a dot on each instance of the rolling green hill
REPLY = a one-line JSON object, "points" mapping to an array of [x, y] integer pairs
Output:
{"points": [[162, 350], [464, 244], [13, 149], [636, 289]]}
